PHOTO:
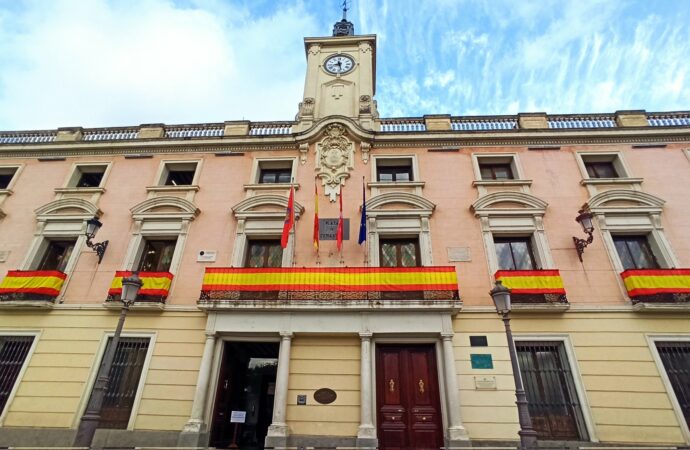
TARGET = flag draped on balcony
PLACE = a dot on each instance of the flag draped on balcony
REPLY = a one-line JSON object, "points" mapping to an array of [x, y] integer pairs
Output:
{"points": [[40, 282], [316, 217], [656, 281], [363, 220], [339, 231], [289, 218], [532, 281], [154, 283]]}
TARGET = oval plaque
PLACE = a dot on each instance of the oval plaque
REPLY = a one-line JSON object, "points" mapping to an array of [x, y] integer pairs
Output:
{"points": [[325, 396]]}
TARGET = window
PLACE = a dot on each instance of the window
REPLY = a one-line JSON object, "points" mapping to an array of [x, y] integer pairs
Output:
{"points": [[514, 253], [552, 399], [399, 252], [675, 357], [13, 353], [178, 174], [157, 255], [6, 175], [87, 176], [635, 252], [124, 377], [604, 169], [496, 171], [56, 255], [273, 171], [264, 253], [391, 170], [283, 175]]}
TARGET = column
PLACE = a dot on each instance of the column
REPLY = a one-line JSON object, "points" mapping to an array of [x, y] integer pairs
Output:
{"points": [[456, 432], [366, 435], [277, 432]]}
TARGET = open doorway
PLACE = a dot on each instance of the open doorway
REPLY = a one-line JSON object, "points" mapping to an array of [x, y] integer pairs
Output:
{"points": [[246, 383]]}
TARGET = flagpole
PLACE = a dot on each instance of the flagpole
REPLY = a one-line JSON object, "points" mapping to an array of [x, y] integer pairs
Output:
{"points": [[316, 237]]}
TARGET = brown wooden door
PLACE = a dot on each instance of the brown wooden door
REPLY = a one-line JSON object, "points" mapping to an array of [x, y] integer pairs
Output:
{"points": [[408, 408]]}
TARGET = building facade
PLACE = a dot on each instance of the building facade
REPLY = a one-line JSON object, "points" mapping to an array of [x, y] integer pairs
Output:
{"points": [[394, 342]]}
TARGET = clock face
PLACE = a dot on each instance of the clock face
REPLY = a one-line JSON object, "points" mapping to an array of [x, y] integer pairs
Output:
{"points": [[339, 64]]}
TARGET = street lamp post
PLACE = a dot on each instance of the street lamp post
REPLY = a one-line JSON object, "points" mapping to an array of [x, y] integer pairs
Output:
{"points": [[92, 416], [528, 437]]}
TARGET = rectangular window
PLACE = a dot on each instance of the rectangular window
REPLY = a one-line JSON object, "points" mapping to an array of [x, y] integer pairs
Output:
{"points": [[514, 253], [394, 173], [553, 402], [178, 174], [676, 359], [496, 171], [635, 252], [86, 176], [277, 175], [6, 175], [604, 169], [13, 353], [57, 255], [157, 255], [264, 253], [124, 377], [399, 253]]}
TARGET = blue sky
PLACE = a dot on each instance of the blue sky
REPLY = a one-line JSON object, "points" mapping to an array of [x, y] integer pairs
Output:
{"points": [[125, 62]]}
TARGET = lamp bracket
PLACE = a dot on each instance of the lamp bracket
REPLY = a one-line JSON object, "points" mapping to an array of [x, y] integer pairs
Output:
{"points": [[98, 247], [581, 244]]}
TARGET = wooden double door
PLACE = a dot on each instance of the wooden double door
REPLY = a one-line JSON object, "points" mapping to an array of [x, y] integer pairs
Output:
{"points": [[407, 397]]}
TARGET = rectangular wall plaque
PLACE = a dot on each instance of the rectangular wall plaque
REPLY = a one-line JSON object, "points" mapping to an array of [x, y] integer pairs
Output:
{"points": [[328, 228], [481, 361], [478, 341], [458, 254], [485, 383]]}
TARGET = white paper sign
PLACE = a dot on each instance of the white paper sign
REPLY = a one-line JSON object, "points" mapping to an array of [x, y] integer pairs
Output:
{"points": [[238, 416]]}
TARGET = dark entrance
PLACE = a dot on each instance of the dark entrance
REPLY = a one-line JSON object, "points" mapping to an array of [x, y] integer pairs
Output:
{"points": [[407, 397], [246, 383]]}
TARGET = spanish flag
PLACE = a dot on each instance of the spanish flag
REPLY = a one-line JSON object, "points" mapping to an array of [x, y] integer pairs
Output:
{"points": [[154, 283], [289, 218], [656, 281], [532, 281], [40, 282]]}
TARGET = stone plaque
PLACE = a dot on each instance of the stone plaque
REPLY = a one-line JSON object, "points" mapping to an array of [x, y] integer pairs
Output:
{"points": [[325, 396], [481, 361], [485, 383], [206, 256], [329, 227], [459, 254], [478, 341]]}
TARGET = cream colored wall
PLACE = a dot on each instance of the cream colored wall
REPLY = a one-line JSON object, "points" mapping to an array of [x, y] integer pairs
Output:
{"points": [[55, 382], [628, 401], [324, 362]]}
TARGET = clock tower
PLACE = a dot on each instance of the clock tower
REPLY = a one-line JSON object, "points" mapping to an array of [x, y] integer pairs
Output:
{"points": [[340, 78]]}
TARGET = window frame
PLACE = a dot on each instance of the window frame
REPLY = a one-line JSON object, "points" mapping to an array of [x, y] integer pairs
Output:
{"points": [[144, 242], [252, 241], [259, 164], [399, 240], [41, 256], [10, 398], [395, 161], [513, 238], [652, 339], [164, 171], [93, 374], [74, 176], [615, 158], [647, 243], [17, 171], [578, 382]]}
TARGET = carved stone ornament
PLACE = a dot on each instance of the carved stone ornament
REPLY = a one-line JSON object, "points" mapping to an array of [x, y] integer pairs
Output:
{"points": [[365, 104], [303, 150], [366, 148], [334, 160]]}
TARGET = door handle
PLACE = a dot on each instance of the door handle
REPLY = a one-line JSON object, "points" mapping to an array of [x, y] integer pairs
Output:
{"points": [[391, 385], [421, 386]]}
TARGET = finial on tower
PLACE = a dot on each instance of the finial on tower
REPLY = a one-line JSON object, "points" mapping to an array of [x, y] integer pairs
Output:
{"points": [[344, 27]]}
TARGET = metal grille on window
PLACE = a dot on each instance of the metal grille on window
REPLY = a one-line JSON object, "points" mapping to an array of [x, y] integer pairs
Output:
{"points": [[124, 381], [676, 359], [554, 406], [13, 351]]}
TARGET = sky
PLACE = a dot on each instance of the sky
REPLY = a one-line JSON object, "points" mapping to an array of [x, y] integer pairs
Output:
{"points": [[97, 63]]}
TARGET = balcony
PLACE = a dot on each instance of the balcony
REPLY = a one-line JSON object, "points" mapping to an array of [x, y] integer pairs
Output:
{"points": [[351, 288], [153, 292], [658, 288], [534, 290], [31, 288]]}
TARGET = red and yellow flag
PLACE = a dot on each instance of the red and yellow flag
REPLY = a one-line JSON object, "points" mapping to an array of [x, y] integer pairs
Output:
{"points": [[331, 279], [656, 281], [532, 281], [154, 283], [41, 282], [289, 218]]}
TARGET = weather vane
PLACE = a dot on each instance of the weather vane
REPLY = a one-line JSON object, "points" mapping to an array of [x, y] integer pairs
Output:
{"points": [[344, 27]]}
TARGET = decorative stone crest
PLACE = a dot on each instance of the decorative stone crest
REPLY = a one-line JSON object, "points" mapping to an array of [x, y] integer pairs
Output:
{"points": [[365, 104], [334, 160]]}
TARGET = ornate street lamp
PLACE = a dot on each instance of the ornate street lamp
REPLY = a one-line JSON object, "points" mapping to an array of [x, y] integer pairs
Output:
{"points": [[92, 416], [92, 227], [528, 437], [585, 220]]}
